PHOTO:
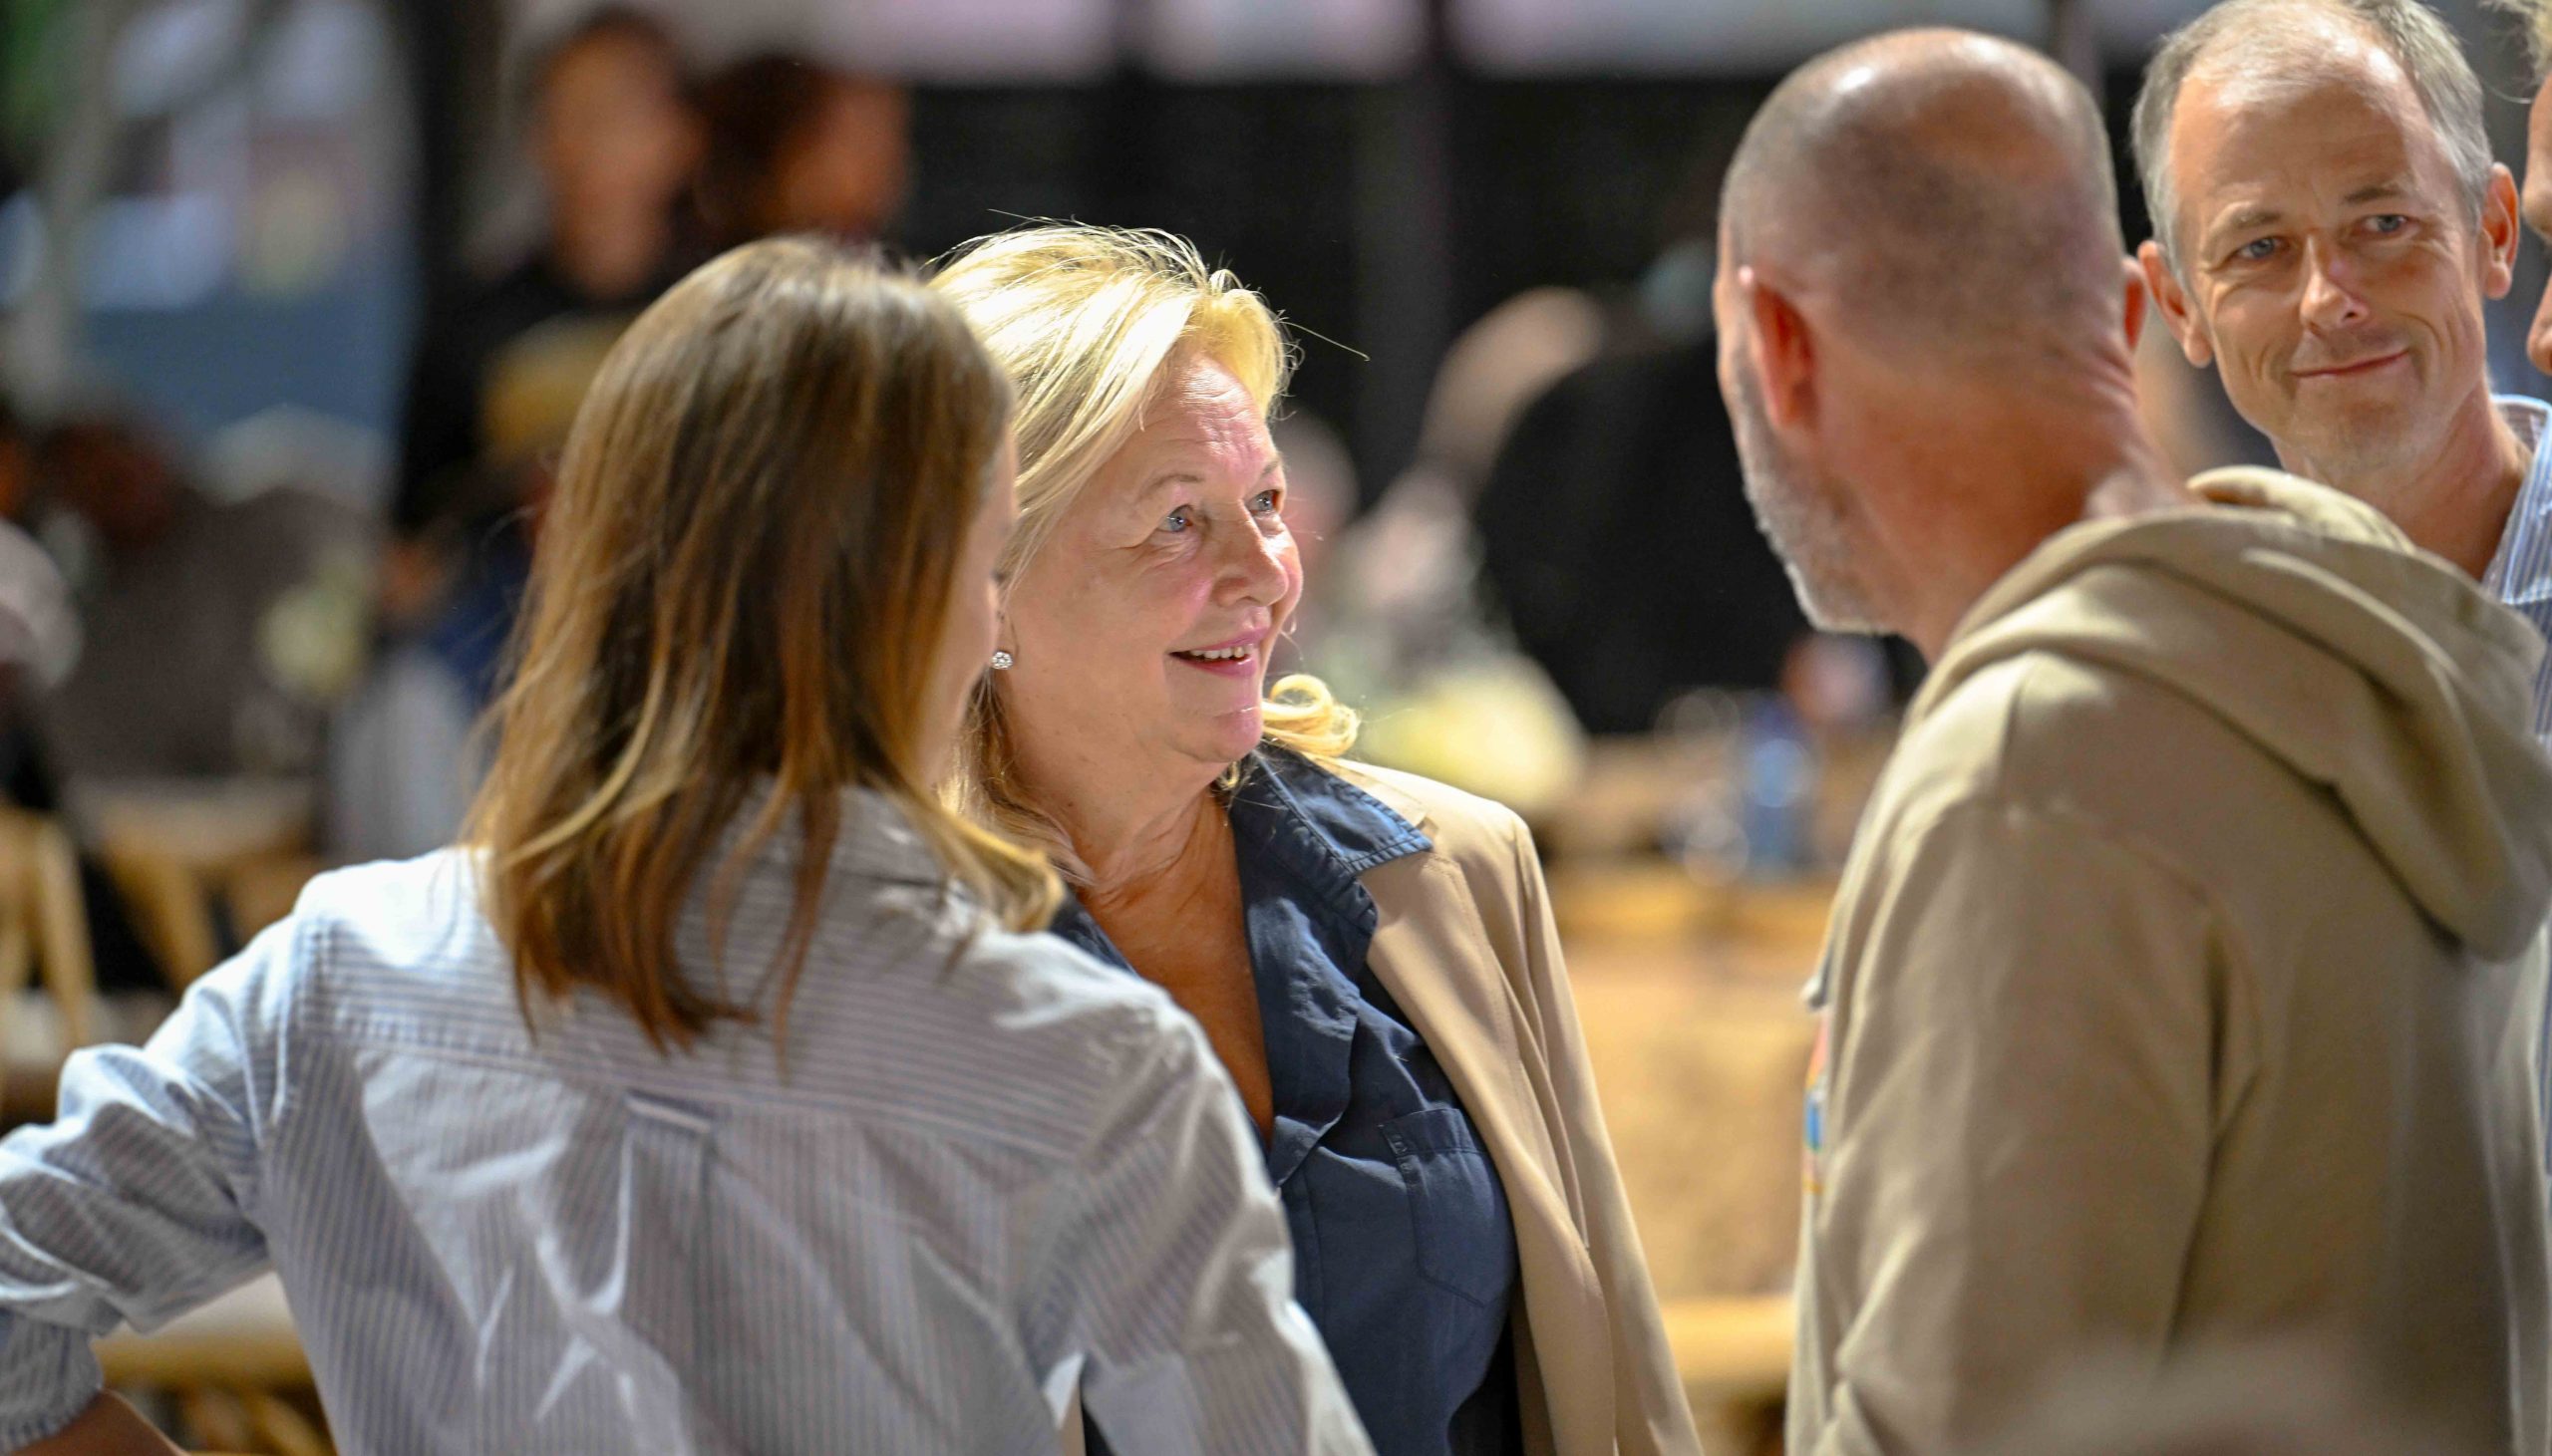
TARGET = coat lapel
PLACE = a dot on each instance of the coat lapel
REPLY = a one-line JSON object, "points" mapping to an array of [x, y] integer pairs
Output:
{"points": [[1430, 952]]}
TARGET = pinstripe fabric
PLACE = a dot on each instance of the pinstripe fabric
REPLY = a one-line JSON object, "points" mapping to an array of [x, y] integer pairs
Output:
{"points": [[979, 1181], [2521, 573]]}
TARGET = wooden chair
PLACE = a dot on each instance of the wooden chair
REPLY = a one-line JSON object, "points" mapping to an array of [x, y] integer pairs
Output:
{"points": [[177, 848], [232, 1366], [44, 935]]}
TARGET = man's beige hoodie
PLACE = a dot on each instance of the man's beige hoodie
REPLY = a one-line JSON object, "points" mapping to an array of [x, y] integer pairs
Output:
{"points": [[2184, 987]]}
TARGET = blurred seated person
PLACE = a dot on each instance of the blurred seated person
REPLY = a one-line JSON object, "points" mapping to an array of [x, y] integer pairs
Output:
{"points": [[191, 607], [1394, 618], [711, 1098], [613, 138], [1411, 563], [1616, 537], [39, 643], [797, 146]]}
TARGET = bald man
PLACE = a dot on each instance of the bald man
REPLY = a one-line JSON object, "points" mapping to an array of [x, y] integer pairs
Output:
{"points": [[2173, 994]]}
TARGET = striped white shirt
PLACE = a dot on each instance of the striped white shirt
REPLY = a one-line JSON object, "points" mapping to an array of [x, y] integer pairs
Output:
{"points": [[2520, 575], [991, 1171]]}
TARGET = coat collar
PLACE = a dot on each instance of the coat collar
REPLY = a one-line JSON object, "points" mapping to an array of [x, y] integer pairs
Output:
{"points": [[1408, 807], [1455, 978]]}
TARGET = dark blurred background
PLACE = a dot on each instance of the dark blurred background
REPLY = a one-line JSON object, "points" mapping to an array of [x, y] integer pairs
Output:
{"points": [[272, 193]]}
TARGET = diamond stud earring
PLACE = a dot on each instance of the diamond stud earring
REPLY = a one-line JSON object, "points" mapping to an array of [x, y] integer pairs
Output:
{"points": [[1002, 662]]}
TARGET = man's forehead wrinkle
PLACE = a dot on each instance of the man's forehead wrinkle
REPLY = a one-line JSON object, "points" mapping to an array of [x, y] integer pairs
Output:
{"points": [[2225, 148], [2239, 77]]}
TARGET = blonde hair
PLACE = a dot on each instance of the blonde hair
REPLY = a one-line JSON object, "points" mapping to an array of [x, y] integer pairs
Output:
{"points": [[742, 581], [1086, 322]]}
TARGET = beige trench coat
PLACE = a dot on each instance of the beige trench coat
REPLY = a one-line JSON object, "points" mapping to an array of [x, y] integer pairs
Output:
{"points": [[1467, 946]]}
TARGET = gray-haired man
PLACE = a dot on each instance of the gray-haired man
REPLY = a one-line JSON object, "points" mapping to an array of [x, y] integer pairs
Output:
{"points": [[2328, 223]]}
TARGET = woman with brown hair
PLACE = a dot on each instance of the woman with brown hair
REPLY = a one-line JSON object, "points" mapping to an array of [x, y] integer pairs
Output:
{"points": [[707, 1098]]}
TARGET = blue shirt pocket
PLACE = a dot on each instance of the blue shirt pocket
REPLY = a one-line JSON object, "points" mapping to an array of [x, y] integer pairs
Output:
{"points": [[1464, 1235]]}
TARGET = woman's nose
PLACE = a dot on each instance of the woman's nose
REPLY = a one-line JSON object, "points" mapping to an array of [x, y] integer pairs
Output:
{"points": [[1255, 570]]}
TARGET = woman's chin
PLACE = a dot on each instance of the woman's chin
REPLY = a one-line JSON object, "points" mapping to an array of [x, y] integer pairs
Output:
{"points": [[1232, 736]]}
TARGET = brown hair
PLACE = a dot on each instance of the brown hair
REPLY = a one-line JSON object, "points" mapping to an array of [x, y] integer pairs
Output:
{"points": [[757, 114], [741, 582]]}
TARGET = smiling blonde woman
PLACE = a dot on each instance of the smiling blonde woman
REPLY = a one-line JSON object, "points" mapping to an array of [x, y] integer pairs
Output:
{"points": [[1371, 955]]}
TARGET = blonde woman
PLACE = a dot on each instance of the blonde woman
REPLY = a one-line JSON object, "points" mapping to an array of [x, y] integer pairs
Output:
{"points": [[1370, 954], [707, 1101]]}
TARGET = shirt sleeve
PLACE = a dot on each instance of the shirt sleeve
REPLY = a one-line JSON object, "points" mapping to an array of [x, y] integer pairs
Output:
{"points": [[137, 1201], [1173, 1278], [2018, 1118]]}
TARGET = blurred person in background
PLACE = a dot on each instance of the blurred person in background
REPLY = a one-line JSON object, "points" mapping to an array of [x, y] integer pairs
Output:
{"points": [[1613, 523], [1370, 954], [709, 1098], [188, 603], [612, 133], [1397, 618], [40, 642], [2328, 224], [796, 146], [2184, 980]]}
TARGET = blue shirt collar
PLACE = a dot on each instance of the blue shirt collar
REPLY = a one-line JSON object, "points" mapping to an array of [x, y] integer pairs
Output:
{"points": [[1344, 831], [2529, 418], [1303, 835], [1313, 826]]}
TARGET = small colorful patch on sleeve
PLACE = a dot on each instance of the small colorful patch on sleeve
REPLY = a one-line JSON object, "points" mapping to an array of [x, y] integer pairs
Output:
{"points": [[1812, 1165]]}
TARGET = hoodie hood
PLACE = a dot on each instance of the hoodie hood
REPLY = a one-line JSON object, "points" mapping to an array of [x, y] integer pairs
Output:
{"points": [[2307, 623]]}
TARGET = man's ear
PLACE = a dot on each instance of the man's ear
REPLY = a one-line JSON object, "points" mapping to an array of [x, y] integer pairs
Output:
{"points": [[2137, 295], [1785, 350], [2500, 230], [2174, 302]]}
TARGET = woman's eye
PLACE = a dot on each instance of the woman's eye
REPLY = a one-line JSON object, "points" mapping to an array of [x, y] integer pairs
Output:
{"points": [[1175, 522], [1263, 502]]}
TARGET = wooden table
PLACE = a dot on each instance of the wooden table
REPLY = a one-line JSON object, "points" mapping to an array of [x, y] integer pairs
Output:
{"points": [[235, 1369], [1688, 995], [244, 1338]]}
